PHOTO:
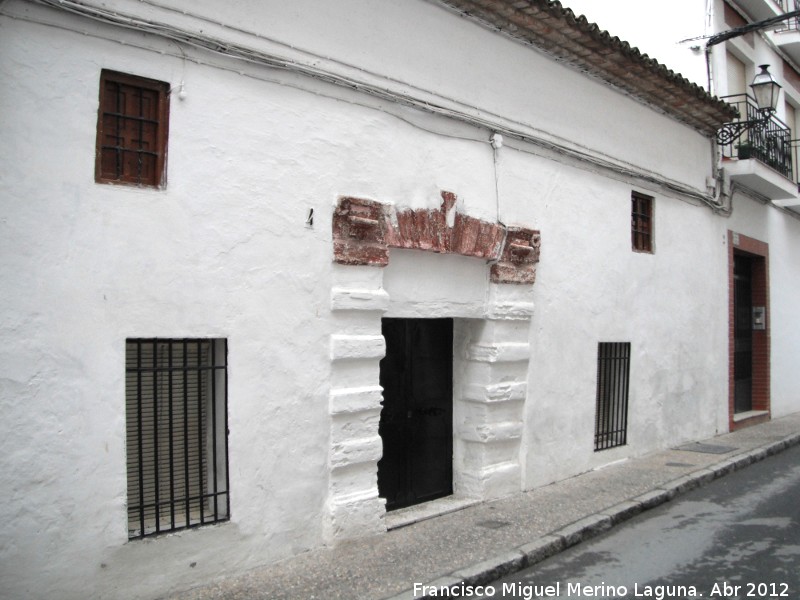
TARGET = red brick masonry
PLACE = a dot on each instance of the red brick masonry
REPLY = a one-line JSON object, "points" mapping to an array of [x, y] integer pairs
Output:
{"points": [[364, 230]]}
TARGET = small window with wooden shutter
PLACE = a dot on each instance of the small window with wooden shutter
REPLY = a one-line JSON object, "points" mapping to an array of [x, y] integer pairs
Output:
{"points": [[132, 126], [177, 442], [642, 226]]}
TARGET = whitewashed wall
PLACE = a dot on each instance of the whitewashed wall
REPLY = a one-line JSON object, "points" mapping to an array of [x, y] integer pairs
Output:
{"points": [[591, 287], [224, 251]]}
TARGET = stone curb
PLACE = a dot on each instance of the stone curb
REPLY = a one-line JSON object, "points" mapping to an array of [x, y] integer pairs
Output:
{"points": [[584, 529]]}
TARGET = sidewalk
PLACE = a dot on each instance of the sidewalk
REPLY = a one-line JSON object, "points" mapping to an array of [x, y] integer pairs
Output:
{"points": [[477, 544]]}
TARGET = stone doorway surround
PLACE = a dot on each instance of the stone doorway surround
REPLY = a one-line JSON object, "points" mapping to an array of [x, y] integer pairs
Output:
{"points": [[491, 364]]}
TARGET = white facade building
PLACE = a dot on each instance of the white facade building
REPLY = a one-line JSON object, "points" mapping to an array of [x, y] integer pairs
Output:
{"points": [[228, 236]]}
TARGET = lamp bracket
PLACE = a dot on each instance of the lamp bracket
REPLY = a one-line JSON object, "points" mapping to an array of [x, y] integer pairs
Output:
{"points": [[733, 130]]}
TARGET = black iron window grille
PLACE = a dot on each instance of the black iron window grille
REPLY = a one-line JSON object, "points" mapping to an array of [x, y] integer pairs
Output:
{"points": [[641, 222], [131, 130], [770, 142], [177, 442], [613, 376]]}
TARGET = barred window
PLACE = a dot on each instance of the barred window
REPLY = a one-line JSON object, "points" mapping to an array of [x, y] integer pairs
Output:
{"points": [[177, 442], [613, 375], [132, 130], [641, 222]]}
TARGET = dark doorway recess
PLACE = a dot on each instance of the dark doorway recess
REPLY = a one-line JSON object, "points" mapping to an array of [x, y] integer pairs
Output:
{"points": [[417, 418], [742, 333]]}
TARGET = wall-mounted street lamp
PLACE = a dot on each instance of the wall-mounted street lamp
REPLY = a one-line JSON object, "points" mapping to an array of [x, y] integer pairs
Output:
{"points": [[766, 90]]}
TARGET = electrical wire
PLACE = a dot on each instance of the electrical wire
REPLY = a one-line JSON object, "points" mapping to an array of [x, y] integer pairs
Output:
{"points": [[490, 122], [495, 160], [738, 31]]}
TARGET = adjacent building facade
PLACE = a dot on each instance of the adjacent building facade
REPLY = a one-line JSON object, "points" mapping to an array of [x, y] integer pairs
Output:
{"points": [[289, 273], [760, 168]]}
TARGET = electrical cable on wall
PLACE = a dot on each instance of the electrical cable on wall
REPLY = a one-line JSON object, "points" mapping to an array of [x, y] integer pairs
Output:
{"points": [[516, 131], [497, 143]]}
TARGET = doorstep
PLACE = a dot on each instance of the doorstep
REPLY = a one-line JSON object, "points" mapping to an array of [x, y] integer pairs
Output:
{"points": [[750, 414], [427, 510]]}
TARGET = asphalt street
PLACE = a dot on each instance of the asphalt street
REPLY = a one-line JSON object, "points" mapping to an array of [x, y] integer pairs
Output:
{"points": [[476, 544], [736, 538]]}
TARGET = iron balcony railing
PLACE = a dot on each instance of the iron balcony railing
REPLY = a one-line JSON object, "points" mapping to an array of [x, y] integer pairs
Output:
{"points": [[770, 143], [789, 6]]}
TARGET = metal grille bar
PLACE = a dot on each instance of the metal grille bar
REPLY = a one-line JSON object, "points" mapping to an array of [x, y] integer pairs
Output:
{"points": [[613, 376], [176, 404], [770, 143], [789, 6]]}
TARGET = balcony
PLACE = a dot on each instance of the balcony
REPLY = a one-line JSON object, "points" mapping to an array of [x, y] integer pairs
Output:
{"points": [[762, 9], [787, 35], [763, 158], [789, 5]]}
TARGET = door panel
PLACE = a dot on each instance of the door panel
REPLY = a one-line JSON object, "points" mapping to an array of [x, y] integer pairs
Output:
{"points": [[417, 419], [742, 334]]}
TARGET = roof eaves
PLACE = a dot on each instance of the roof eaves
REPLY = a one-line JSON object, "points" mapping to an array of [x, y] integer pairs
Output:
{"points": [[548, 26]]}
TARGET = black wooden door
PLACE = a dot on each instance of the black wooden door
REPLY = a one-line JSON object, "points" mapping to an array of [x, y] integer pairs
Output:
{"points": [[417, 418], [742, 334]]}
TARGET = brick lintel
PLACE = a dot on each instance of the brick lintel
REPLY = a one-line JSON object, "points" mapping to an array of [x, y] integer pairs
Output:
{"points": [[364, 230]]}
